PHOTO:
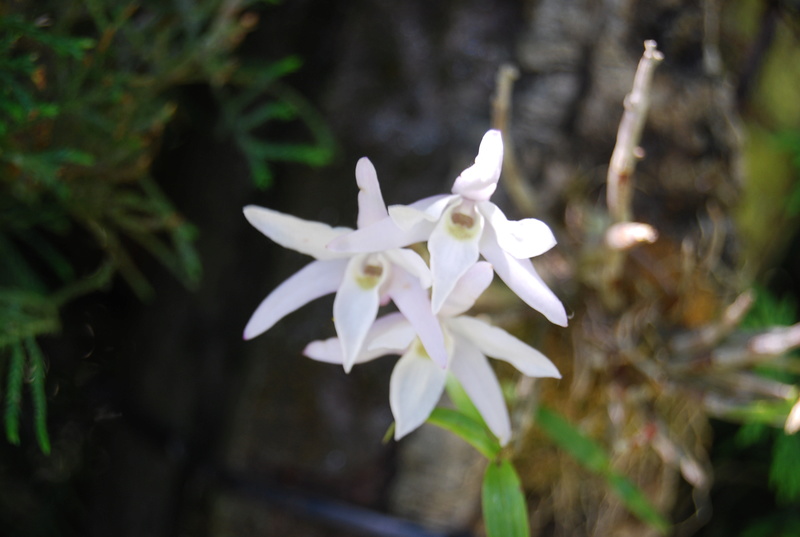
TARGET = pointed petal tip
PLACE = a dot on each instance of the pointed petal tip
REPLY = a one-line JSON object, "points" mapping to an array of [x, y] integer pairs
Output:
{"points": [[559, 318], [250, 333], [400, 433], [553, 374], [364, 165]]}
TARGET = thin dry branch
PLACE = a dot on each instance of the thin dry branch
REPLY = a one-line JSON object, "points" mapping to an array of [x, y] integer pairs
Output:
{"points": [[520, 191], [627, 150]]}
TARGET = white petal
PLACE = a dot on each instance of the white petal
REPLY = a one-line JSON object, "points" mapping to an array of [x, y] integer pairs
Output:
{"points": [[521, 277], [477, 377], [412, 263], [382, 235], [479, 181], [304, 236], [518, 238], [412, 301], [414, 389], [356, 304], [469, 287], [498, 343], [391, 332], [325, 350], [316, 279], [454, 249], [425, 210], [371, 207]]}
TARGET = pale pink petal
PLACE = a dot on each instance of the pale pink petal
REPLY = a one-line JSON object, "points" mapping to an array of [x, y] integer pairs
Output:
{"points": [[454, 249], [498, 343], [412, 263], [469, 287], [518, 238], [304, 236], [477, 377], [382, 235], [371, 207], [330, 351], [412, 301], [479, 181], [425, 210], [521, 277], [415, 387], [325, 350], [390, 334], [316, 279], [356, 304]]}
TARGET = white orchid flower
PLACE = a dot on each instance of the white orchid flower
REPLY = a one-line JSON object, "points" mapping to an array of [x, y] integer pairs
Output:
{"points": [[417, 383], [362, 281], [461, 227]]}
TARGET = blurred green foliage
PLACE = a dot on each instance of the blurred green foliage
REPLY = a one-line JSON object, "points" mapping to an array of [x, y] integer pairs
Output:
{"points": [[594, 458], [84, 100], [784, 472]]}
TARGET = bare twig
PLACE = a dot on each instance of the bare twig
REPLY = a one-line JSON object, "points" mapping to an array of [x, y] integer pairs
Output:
{"points": [[627, 150], [521, 193]]}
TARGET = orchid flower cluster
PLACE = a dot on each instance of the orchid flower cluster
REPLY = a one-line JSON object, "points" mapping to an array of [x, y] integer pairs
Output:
{"points": [[369, 267]]}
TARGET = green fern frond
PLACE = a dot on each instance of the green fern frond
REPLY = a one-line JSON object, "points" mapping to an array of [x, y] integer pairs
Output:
{"points": [[14, 381], [38, 396]]}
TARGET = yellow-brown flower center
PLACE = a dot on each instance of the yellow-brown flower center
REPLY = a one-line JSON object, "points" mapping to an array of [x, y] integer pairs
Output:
{"points": [[466, 225], [371, 273], [463, 220]]}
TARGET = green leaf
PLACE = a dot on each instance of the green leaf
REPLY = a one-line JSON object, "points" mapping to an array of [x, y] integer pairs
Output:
{"points": [[473, 432], [593, 457], [461, 400], [570, 439], [784, 473], [636, 502], [16, 370], [504, 509], [37, 375]]}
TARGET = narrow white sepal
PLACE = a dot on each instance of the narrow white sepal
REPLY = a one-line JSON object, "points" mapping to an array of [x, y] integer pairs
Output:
{"points": [[355, 308], [392, 332], [412, 301], [467, 290], [478, 379], [412, 263], [304, 236], [497, 343], [371, 207], [451, 257], [316, 279], [425, 210], [522, 279], [479, 181], [520, 239], [415, 387], [377, 237]]}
